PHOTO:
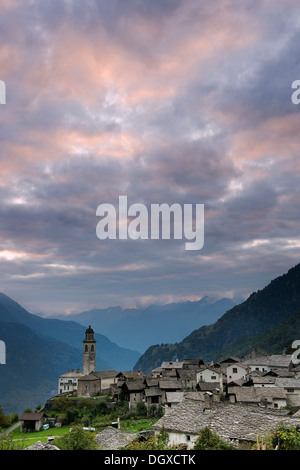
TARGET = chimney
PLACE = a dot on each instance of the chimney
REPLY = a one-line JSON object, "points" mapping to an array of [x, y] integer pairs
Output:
{"points": [[208, 400], [216, 395]]}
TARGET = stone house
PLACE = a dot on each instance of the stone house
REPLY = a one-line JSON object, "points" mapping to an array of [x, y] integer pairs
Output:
{"points": [[263, 381], [269, 397], [255, 352], [133, 391], [291, 386], [169, 365], [173, 398], [268, 363], [129, 376], [32, 421], [188, 378], [96, 383], [108, 378], [236, 423], [169, 385], [88, 385], [153, 396], [192, 364]]}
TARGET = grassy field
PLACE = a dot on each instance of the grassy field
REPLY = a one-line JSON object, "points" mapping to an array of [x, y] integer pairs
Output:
{"points": [[24, 440], [136, 425], [29, 438]]}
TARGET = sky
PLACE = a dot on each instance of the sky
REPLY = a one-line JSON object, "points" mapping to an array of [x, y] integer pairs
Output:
{"points": [[168, 101]]}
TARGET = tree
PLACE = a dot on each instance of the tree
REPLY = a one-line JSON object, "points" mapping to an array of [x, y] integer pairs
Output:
{"points": [[209, 440], [4, 420], [141, 409], [77, 439]]}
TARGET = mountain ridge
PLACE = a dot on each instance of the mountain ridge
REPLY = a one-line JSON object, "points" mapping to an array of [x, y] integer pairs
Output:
{"points": [[139, 327], [262, 311], [39, 350]]}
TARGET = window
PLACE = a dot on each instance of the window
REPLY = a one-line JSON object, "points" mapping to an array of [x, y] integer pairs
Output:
{"points": [[213, 377], [188, 438], [234, 370]]}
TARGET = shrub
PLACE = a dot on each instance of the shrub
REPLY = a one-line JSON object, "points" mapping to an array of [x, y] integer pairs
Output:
{"points": [[77, 439], [209, 440], [286, 437]]}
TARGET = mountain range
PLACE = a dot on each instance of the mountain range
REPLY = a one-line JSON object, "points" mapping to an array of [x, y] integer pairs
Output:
{"points": [[268, 318], [38, 350], [140, 328]]}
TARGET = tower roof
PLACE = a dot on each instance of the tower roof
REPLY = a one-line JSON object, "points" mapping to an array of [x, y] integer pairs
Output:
{"points": [[89, 330]]}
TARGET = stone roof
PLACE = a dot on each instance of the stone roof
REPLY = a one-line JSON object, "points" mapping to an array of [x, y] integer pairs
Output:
{"points": [[175, 397], [231, 359], [89, 377], [171, 365], [134, 385], [187, 374], [192, 362], [42, 446], [169, 384], [254, 353], [106, 374], [238, 382], [287, 382], [131, 374], [216, 370], [208, 386], [280, 373], [256, 394], [194, 395], [72, 373], [153, 392], [113, 438], [228, 420], [151, 382], [265, 380], [273, 361], [169, 372]]}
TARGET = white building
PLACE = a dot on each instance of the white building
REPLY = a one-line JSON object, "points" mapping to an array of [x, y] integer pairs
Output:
{"points": [[68, 382], [236, 371]]}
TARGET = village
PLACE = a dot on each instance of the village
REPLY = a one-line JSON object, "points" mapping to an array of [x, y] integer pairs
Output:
{"points": [[238, 397]]}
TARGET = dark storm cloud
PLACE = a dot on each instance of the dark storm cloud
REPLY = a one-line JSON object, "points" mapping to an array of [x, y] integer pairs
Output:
{"points": [[165, 101]]}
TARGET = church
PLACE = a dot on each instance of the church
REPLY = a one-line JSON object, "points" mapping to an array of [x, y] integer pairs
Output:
{"points": [[89, 382]]}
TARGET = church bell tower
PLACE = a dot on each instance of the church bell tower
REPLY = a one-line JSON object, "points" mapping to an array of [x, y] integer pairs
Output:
{"points": [[89, 352]]}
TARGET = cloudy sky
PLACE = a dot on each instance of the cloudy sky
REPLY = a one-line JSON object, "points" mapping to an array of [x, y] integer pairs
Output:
{"points": [[164, 101]]}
